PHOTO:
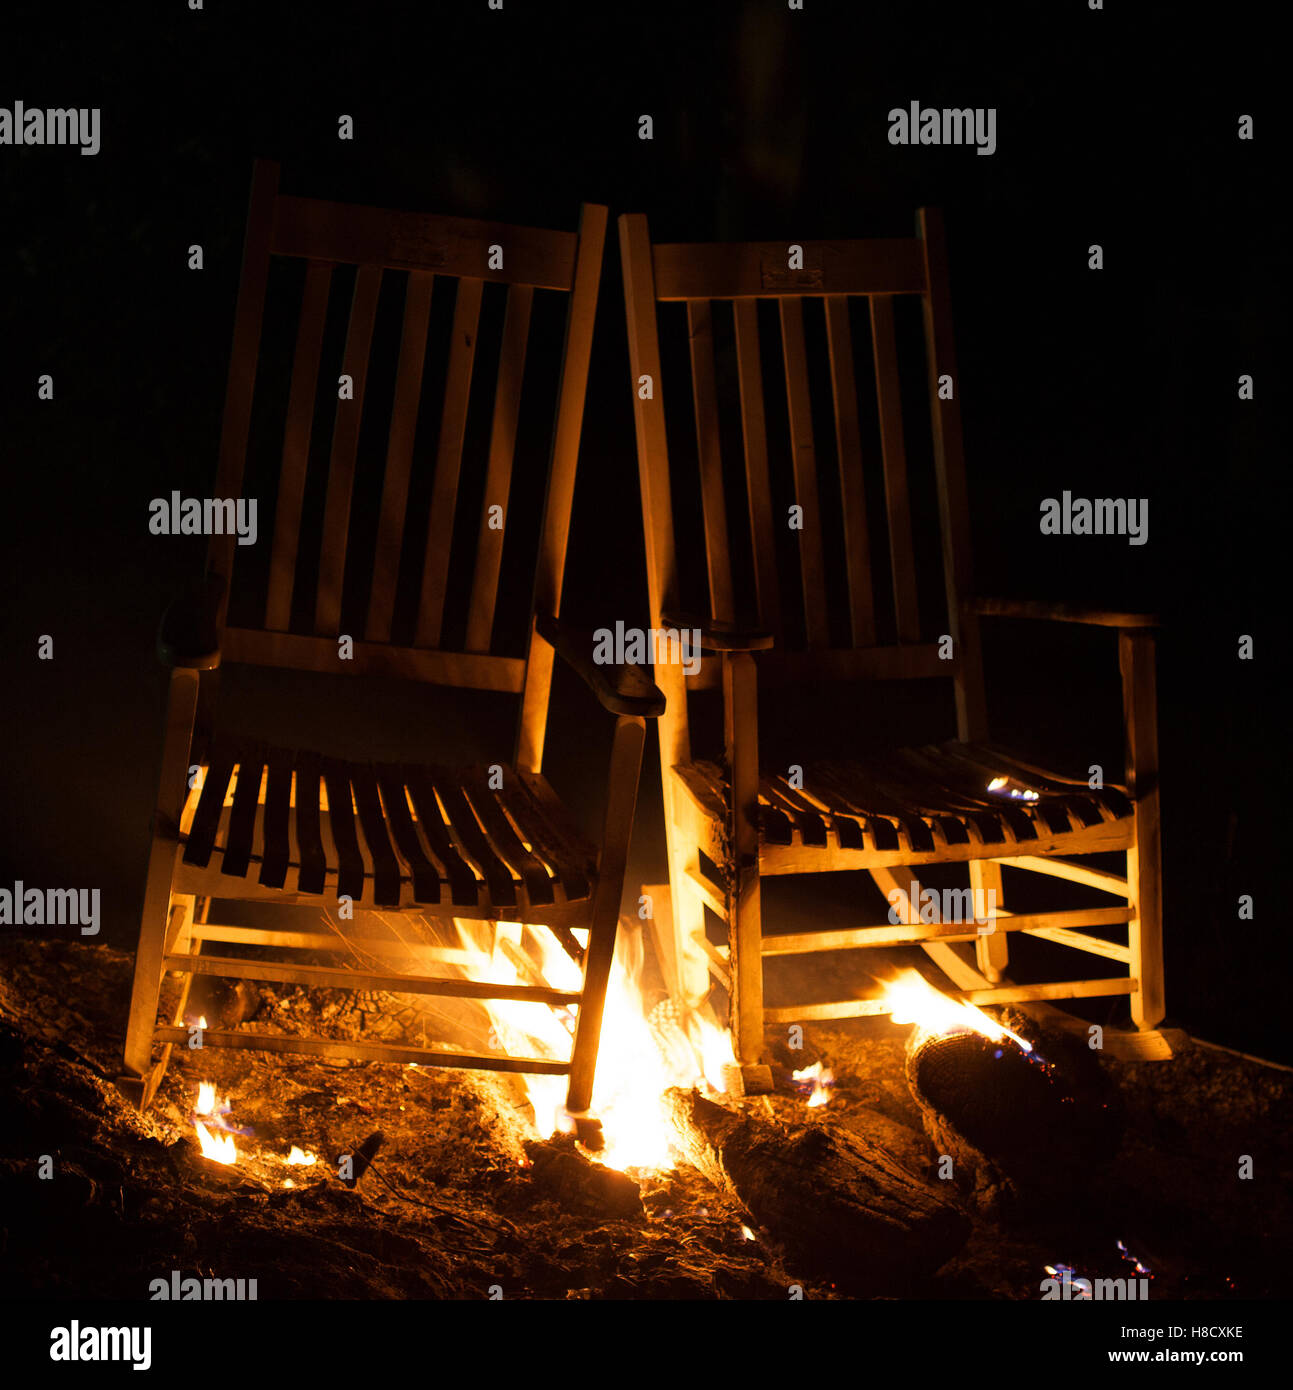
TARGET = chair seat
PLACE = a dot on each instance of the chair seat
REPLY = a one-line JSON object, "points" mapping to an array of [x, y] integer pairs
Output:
{"points": [[918, 801], [291, 823]]}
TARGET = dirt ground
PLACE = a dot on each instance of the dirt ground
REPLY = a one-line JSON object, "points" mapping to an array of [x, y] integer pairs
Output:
{"points": [[459, 1200]]}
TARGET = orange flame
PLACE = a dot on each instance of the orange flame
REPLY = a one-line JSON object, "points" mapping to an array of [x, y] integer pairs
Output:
{"points": [[218, 1148], [633, 1068], [819, 1080], [912, 999]]}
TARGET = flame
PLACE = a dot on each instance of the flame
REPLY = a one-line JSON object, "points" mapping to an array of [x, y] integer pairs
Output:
{"points": [[1002, 784], [642, 1052], [1128, 1256], [218, 1148], [299, 1156], [912, 999], [817, 1081]]}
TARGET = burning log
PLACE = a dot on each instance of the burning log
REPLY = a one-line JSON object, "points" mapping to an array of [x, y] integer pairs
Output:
{"points": [[561, 1171], [1023, 1124], [842, 1205]]}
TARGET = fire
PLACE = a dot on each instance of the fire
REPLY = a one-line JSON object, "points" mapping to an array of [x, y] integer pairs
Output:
{"points": [[218, 1148], [642, 1053], [817, 1081], [1002, 784], [912, 999], [299, 1156]]}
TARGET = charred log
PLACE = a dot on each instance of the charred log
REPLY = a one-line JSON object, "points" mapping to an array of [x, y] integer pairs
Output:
{"points": [[1023, 1129], [842, 1205]]}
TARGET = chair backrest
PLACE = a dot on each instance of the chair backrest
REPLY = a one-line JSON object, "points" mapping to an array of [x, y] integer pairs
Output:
{"points": [[791, 532], [389, 526]]}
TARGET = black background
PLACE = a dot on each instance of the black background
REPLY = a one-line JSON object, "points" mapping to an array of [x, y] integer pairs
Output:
{"points": [[1113, 127]]}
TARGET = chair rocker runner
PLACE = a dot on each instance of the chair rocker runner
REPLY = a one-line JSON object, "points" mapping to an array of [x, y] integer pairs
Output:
{"points": [[964, 801], [291, 826]]}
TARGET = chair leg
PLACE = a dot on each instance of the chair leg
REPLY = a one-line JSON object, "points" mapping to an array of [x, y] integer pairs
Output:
{"points": [[992, 950], [155, 922], [688, 918], [1145, 936], [746, 963], [744, 905], [154, 927], [626, 764], [1144, 866]]}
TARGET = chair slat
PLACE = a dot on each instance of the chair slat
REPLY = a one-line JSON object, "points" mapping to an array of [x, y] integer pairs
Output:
{"points": [[444, 495], [399, 454], [822, 785], [846, 828], [731, 270], [949, 468], [848, 448], [278, 815], [386, 869], [345, 444], [1091, 805], [803, 455], [309, 839], [341, 821], [502, 888], [296, 445], [926, 797], [700, 334], [754, 429], [962, 792], [805, 818], [235, 423], [399, 240], [498, 472], [242, 819], [464, 888], [893, 452], [206, 819], [426, 878], [841, 786], [549, 843], [504, 839], [1018, 818]]}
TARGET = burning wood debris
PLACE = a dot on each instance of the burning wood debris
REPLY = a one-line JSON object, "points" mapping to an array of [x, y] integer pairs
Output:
{"points": [[408, 1181]]}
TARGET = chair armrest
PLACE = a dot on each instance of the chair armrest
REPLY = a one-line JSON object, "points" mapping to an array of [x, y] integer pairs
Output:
{"points": [[716, 636], [188, 635], [1057, 613], [622, 689]]}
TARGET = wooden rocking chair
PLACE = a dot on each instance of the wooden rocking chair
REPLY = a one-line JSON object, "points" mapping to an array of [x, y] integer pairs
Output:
{"points": [[284, 827], [964, 801]]}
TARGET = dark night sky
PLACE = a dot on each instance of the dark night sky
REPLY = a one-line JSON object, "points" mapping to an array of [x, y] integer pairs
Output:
{"points": [[1112, 128]]}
